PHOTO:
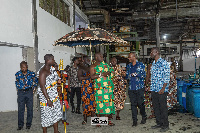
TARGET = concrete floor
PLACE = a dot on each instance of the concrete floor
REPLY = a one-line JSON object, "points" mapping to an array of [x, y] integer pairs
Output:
{"points": [[179, 123]]}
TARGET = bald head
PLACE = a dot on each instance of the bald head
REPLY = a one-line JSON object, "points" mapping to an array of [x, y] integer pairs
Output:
{"points": [[113, 61], [97, 54], [98, 57], [23, 63], [156, 49], [49, 59], [132, 57], [155, 53], [133, 54]]}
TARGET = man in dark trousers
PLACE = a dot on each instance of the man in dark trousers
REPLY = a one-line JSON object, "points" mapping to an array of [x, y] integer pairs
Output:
{"points": [[26, 82], [135, 72], [74, 85], [160, 77]]}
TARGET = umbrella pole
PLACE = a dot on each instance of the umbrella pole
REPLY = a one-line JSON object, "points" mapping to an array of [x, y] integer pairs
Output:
{"points": [[90, 51]]}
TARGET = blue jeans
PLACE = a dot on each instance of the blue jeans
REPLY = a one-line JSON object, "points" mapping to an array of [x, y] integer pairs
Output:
{"points": [[25, 98]]}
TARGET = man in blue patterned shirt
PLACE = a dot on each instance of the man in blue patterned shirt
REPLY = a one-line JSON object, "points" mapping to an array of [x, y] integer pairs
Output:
{"points": [[25, 82], [136, 75], [160, 77]]}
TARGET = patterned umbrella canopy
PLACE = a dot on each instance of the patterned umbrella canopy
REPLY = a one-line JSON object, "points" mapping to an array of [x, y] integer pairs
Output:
{"points": [[88, 37]]}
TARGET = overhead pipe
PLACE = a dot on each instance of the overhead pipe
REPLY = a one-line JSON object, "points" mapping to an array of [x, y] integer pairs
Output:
{"points": [[103, 12], [186, 4]]}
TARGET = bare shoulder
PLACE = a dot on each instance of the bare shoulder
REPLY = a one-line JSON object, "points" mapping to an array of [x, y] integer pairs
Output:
{"points": [[92, 66], [43, 72]]}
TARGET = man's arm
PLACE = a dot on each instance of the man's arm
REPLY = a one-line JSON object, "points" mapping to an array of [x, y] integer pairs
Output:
{"points": [[69, 89], [63, 77], [35, 82], [166, 69], [128, 75], [93, 75], [18, 86], [141, 73], [80, 75], [42, 82], [110, 72], [69, 78]]}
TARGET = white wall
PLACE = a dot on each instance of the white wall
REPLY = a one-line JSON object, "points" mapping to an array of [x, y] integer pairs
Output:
{"points": [[189, 64], [10, 58], [16, 28], [16, 22], [82, 24], [51, 29]]}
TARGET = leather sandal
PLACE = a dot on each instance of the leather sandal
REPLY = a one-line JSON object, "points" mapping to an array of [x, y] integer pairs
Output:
{"points": [[84, 122], [98, 125], [110, 117], [110, 123], [118, 118]]}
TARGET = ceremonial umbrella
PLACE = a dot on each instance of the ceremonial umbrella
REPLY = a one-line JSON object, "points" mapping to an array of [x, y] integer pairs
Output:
{"points": [[88, 38]]}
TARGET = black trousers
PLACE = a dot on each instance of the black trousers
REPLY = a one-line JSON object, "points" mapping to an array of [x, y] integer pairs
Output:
{"points": [[68, 94], [76, 90], [159, 102], [137, 99], [25, 98]]}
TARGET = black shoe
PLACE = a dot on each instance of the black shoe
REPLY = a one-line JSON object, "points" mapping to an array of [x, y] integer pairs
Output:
{"points": [[156, 126], [28, 127], [19, 128], [78, 111], [164, 129], [73, 109], [143, 121], [134, 124]]}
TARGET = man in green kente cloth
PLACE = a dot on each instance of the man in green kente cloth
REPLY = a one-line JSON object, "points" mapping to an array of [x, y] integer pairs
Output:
{"points": [[102, 74]]}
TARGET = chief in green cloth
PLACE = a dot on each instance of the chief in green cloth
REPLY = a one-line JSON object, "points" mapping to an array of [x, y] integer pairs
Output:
{"points": [[102, 74]]}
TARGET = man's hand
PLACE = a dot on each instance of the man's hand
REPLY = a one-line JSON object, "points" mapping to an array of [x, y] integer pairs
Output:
{"points": [[50, 103], [170, 87], [59, 81], [161, 91], [105, 74], [69, 89], [133, 74], [147, 88], [59, 92]]}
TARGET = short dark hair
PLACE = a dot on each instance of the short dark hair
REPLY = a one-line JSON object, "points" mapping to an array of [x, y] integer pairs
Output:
{"points": [[23, 62], [97, 54], [157, 49], [85, 57], [114, 58], [48, 56], [134, 53], [67, 67], [75, 58]]}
